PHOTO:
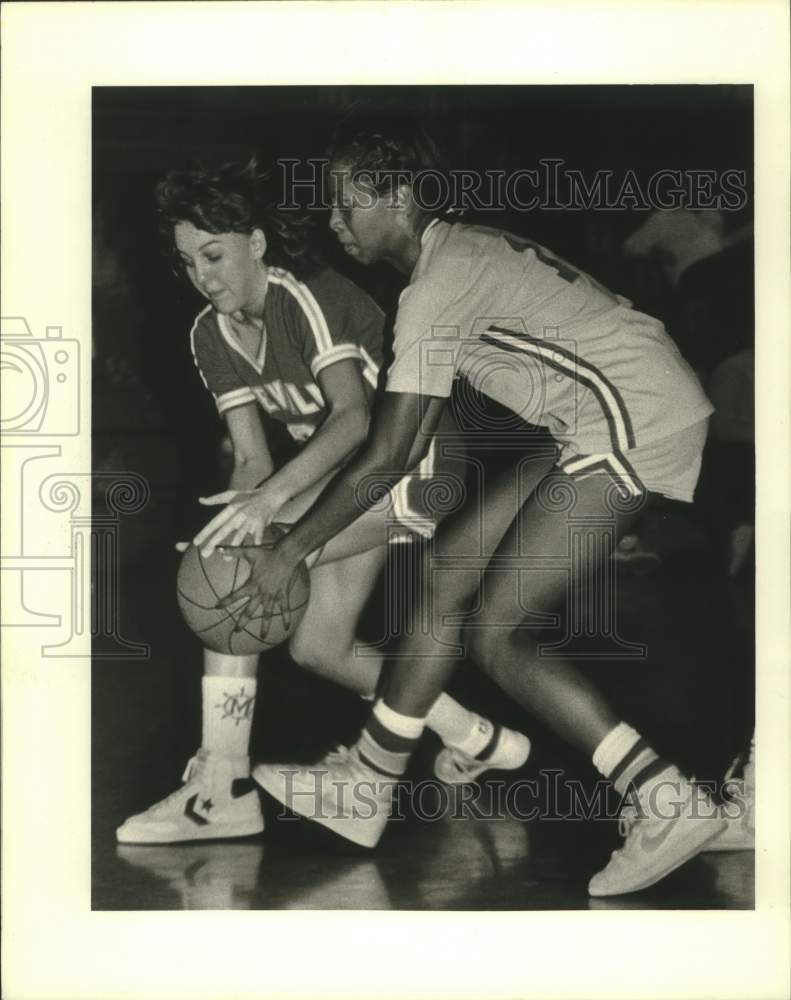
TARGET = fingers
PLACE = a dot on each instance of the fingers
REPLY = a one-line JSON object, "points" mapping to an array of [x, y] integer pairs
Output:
{"points": [[248, 590], [239, 535], [217, 498], [243, 551], [285, 610], [233, 528], [182, 546], [248, 612], [266, 619]]}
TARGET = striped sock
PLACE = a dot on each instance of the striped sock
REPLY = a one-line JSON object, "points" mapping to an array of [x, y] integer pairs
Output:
{"points": [[388, 740], [628, 761]]}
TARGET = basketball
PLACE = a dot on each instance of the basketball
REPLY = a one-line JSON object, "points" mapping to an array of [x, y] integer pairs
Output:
{"points": [[201, 583]]}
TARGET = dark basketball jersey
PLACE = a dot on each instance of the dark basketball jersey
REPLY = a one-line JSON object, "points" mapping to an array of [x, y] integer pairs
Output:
{"points": [[307, 326]]}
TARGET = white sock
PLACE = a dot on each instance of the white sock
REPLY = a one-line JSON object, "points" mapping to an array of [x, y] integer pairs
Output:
{"points": [[228, 704], [409, 727], [614, 747], [458, 727]]}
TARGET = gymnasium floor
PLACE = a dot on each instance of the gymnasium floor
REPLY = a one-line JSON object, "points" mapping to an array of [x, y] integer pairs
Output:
{"points": [[691, 698]]}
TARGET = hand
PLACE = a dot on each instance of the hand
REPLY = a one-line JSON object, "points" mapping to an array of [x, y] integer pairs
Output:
{"points": [[249, 513], [271, 572], [182, 546]]}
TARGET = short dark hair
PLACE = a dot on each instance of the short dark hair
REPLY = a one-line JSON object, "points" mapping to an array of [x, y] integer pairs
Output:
{"points": [[384, 140], [238, 198]]}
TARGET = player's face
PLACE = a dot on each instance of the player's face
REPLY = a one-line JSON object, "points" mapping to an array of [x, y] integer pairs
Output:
{"points": [[226, 268], [364, 222]]}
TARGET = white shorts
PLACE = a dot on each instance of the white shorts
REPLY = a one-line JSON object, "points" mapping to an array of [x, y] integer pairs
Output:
{"points": [[670, 466]]}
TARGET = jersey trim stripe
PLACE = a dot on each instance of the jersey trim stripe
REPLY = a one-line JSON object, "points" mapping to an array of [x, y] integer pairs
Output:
{"points": [[609, 398], [309, 305], [233, 343], [370, 368], [193, 330], [342, 352], [236, 397]]}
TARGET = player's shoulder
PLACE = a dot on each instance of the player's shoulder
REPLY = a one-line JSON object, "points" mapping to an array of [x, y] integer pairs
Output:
{"points": [[331, 286], [326, 290], [203, 326]]}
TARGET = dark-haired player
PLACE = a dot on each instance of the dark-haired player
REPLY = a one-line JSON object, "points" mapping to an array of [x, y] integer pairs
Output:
{"points": [[285, 334]]}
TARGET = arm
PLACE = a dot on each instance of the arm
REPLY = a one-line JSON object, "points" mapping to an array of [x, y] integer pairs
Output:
{"points": [[342, 432], [403, 427], [252, 462]]}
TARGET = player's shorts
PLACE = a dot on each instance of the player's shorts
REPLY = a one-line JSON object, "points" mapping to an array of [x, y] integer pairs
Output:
{"points": [[670, 467]]}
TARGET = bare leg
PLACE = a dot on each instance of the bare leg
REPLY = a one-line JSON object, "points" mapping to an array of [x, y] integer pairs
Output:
{"points": [[552, 689], [424, 666], [325, 639], [507, 648]]}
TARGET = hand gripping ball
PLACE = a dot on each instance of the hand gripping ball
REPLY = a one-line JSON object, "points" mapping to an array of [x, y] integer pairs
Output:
{"points": [[203, 582]]}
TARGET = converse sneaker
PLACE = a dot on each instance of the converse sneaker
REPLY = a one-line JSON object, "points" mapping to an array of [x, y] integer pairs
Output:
{"points": [[340, 792], [506, 750], [738, 811], [217, 799], [660, 835]]}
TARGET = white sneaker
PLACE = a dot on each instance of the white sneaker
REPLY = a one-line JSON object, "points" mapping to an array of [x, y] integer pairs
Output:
{"points": [[217, 799], [340, 792], [674, 825], [509, 751], [738, 812]]}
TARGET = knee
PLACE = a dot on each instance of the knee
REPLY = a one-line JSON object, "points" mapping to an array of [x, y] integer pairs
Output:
{"points": [[493, 648], [483, 644]]}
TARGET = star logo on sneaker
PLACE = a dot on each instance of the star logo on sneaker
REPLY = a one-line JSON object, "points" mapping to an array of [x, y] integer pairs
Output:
{"points": [[190, 812]]}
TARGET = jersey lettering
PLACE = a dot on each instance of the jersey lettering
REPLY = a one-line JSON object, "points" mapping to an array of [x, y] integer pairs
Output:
{"points": [[520, 244], [277, 396], [563, 268]]}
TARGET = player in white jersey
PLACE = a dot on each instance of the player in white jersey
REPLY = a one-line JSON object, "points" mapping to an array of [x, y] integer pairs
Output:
{"points": [[285, 334], [629, 419]]}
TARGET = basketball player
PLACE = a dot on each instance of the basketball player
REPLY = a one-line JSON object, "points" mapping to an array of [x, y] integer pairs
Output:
{"points": [[629, 418], [284, 333]]}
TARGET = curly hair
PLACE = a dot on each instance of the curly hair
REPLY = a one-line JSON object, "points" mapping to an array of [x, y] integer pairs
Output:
{"points": [[238, 198]]}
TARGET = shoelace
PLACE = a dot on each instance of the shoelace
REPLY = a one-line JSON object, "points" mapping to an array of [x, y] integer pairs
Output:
{"points": [[626, 821], [340, 755]]}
